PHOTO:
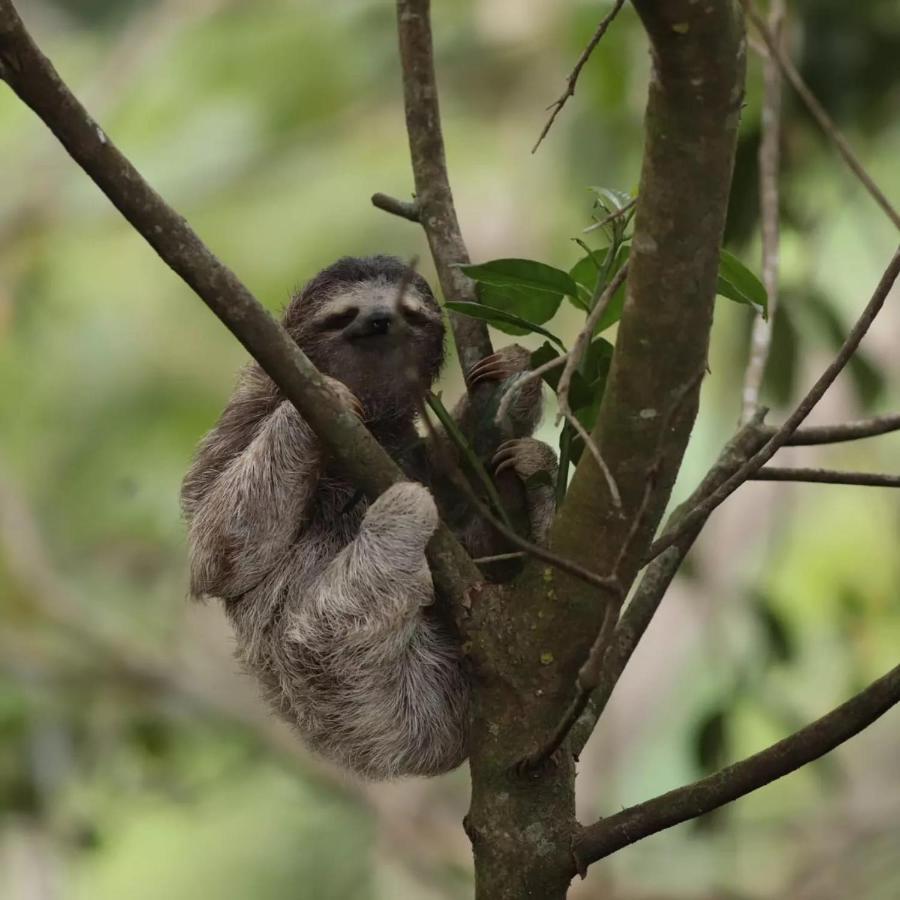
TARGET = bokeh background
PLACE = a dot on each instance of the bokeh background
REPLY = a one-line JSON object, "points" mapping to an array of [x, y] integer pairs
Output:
{"points": [[135, 759]]}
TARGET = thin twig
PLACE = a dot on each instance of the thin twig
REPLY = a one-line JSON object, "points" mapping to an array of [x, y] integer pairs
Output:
{"points": [[499, 557], [557, 105], [783, 434], [818, 112], [405, 209], [576, 354], [826, 476], [845, 431], [769, 166], [621, 829]]}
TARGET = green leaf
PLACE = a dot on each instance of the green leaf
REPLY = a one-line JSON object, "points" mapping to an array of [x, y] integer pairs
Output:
{"points": [[525, 274], [613, 311], [501, 319], [738, 283], [584, 274], [534, 306], [597, 361], [542, 355]]}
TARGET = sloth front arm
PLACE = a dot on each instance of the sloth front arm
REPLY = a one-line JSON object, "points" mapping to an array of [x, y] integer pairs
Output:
{"points": [[248, 518]]}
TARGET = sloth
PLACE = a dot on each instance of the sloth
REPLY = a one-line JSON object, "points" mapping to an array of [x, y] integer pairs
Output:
{"points": [[330, 598]]}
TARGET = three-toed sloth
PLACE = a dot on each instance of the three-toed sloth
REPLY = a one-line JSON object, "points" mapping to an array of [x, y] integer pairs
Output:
{"points": [[331, 600]]}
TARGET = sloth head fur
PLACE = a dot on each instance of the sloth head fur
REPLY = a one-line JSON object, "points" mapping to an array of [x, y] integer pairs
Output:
{"points": [[372, 323]]}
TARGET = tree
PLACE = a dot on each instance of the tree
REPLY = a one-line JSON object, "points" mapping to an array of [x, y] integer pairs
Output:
{"points": [[548, 649]]}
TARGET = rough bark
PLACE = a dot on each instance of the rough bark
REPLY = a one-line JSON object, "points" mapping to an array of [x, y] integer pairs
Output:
{"points": [[527, 643]]}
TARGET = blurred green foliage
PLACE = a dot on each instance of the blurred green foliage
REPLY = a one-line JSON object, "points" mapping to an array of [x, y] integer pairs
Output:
{"points": [[269, 124]]}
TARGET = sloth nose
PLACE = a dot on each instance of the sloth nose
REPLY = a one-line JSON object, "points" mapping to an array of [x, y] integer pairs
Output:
{"points": [[379, 321]]}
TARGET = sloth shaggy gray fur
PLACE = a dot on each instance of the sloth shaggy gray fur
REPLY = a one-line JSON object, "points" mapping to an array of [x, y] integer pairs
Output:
{"points": [[331, 599]]}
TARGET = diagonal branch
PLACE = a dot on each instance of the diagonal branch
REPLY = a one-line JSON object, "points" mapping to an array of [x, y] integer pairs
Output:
{"points": [[818, 738], [782, 435], [32, 77], [826, 476], [556, 106], [773, 45]]}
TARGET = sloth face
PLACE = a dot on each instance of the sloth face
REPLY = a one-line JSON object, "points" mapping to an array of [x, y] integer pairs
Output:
{"points": [[375, 325]]}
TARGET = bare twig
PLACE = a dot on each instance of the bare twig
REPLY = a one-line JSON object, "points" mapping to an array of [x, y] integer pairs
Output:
{"points": [[434, 198], [499, 557], [32, 77], [815, 740], [572, 80], [845, 431], [826, 476], [783, 434], [576, 354], [769, 165], [818, 112], [405, 209], [658, 576]]}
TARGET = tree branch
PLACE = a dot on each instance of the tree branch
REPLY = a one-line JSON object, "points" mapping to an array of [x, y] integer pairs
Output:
{"points": [[32, 77], [818, 112], [845, 431], [434, 198], [782, 435], [556, 106], [816, 739], [769, 165], [405, 209], [826, 476]]}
